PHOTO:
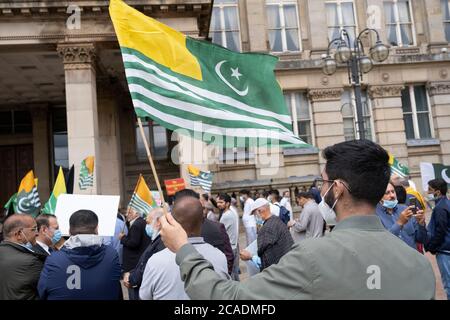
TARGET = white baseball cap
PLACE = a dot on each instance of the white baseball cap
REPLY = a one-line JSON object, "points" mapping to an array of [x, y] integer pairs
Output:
{"points": [[260, 202]]}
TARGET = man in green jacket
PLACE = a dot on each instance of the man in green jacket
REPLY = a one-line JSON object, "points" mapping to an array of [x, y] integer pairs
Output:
{"points": [[359, 259], [20, 267]]}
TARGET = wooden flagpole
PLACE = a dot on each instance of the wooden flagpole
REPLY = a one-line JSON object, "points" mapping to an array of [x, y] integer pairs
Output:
{"points": [[152, 165]]}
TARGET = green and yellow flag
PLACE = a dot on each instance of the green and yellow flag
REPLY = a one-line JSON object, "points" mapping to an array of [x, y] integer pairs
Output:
{"points": [[59, 188], [142, 200], [86, 173], [11, 205], [204, 90], [398, 168], [27, 197]]}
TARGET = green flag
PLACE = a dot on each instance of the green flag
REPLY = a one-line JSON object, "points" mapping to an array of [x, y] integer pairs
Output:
{"points": [[398, 168], [59, 188], [209, 92], [11, 205], [430, 171]]}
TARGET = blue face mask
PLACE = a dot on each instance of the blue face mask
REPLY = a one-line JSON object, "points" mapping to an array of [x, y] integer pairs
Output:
{"points": [[259, 220], [27, 245], [149, 230], [390, 204], [56, 236]]}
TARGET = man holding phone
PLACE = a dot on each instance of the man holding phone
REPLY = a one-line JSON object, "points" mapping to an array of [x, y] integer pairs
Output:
{"points": [[405, 222]]}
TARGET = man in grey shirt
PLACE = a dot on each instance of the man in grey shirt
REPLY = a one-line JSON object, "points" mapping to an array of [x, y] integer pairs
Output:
{"points": [[310, 223], [161, 279]]}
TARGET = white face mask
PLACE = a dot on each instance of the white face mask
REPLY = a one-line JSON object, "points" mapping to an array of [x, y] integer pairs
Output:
{"points": [[328, 214], [241, 198]]}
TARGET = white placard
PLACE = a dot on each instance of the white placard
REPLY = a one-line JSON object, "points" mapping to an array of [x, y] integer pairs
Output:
{"points": [[105, 207]]}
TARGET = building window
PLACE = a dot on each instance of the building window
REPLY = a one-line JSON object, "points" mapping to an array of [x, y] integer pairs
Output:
{"points": [[341, 15], [15, 122], [283, 26], [157, 138], [446, 16], [399, 23], [416, 113], [350, 115], [300, 112], [225, 24]]}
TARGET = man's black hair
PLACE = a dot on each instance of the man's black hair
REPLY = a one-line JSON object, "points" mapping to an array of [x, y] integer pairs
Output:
{"points": [[245, 191], [305, 194], [439, 184], [225, 197], [83, 222], [401, 194], [363, 165], [186, 193], [205, 196], [44, 220]]}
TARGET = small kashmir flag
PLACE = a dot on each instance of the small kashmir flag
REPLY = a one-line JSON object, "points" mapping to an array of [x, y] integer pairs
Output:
{"points": [[200, 178], [142, 200], [86, 173], [59, 188], [397, 168], [27, 197]]}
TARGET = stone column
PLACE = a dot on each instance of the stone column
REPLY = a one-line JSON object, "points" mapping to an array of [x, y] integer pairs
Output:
{"points": [[439, 93], [388, 119], [41, 159], [110, 168], [81, 106], [434, 18], [257, 21], [327, 117]]}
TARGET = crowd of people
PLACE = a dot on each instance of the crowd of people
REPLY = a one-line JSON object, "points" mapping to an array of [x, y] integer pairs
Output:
{"points": [[354, 221]]}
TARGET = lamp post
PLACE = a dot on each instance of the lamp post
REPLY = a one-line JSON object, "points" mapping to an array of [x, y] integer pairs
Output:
{"points": [[357, 64]]}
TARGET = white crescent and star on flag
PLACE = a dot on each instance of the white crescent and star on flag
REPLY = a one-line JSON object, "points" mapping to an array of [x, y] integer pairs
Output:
{"points": [[234, 73]]}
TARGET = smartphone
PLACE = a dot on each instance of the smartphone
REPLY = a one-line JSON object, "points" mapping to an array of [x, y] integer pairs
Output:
{"points": [[413, 202]]}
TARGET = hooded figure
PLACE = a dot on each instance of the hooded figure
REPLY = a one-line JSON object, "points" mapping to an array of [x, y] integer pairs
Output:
{"points": [[84, 268]]}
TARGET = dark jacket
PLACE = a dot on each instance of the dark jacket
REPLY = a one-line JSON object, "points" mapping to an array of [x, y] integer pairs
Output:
{"points": [[38, 249], [96, 267], [19, 272], [134, 244], [438, 237], [216, 235], [137, 273], [274, 241]]}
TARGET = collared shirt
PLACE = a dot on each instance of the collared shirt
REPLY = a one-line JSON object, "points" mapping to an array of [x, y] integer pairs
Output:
{"points": [[44, 246], [309, 224], [132, 221], [247, 218], [161, 279], [347, 260], [410, 233]]}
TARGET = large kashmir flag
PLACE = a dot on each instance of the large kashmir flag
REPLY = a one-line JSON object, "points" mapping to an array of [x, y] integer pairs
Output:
{"points": [[59, 188], [27, 197], [200, 87], [142, 200]]}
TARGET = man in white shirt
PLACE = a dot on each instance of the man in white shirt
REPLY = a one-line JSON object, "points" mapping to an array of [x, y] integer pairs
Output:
{"points": [[230, 219], [286, 202], [247, 218], [161, 279], [275, 203]]}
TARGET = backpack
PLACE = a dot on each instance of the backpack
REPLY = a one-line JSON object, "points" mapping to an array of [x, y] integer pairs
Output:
{"points": [[285, 214]]}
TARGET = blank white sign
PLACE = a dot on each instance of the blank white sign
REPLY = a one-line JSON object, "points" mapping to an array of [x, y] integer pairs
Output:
{"points": [[105, 207]]}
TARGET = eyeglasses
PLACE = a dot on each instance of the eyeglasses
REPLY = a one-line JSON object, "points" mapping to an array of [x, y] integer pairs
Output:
{"points": [[320, 183]]}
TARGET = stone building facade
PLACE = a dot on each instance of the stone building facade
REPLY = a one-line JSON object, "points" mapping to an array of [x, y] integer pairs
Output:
{"points": [[63, 94]]}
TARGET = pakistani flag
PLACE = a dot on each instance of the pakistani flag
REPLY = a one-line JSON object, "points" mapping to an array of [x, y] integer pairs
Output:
{"points": [[59, 188], [27, 197], [201, 89], [142, 200], [86, 173], [200, 178], [430, 171], [398, 168]]}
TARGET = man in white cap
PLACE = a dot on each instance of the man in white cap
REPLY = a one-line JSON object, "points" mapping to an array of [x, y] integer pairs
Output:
{"points": [[274, 239]]}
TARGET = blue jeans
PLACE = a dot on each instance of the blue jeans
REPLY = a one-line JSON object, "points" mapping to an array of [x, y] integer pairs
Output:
{"points": [[443, 262]]}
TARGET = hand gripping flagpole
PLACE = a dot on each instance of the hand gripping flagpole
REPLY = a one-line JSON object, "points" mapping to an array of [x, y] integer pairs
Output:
{"points": [[152, 165]]}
